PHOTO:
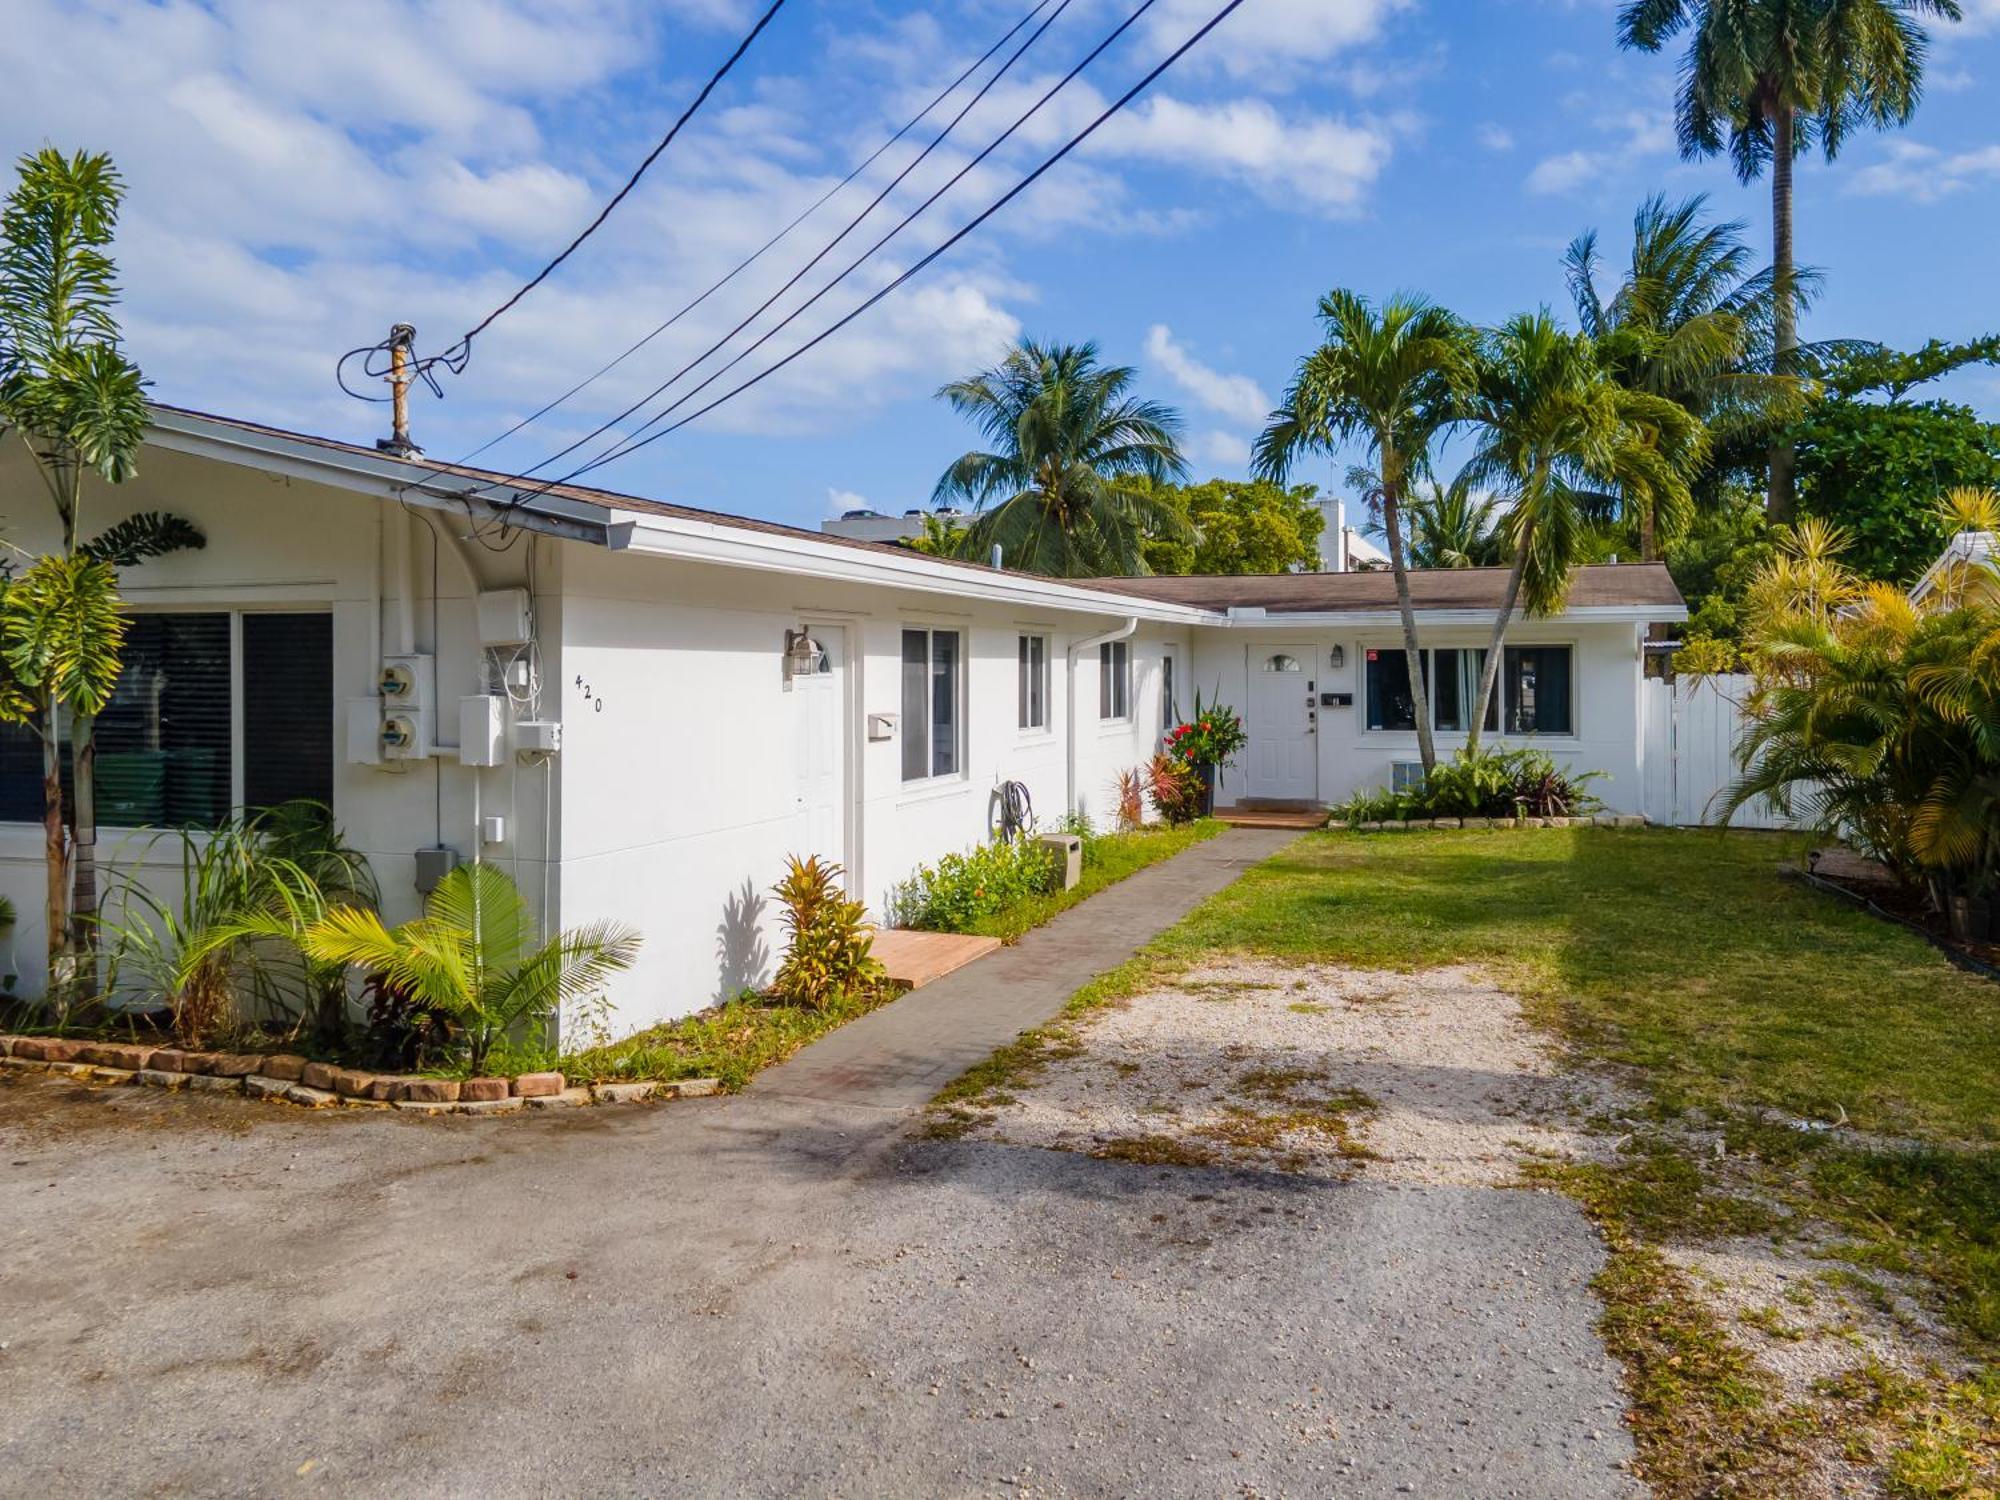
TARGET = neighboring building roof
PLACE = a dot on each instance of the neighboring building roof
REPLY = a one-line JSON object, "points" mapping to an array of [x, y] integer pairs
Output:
{"points": [[1968, 548], [611, 518], [1601, 585]]}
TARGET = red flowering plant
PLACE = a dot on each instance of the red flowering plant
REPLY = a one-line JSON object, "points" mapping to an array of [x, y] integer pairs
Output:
{"points": [[1211, 738]]}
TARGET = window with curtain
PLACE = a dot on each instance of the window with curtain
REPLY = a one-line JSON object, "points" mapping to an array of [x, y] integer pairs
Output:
{"points": [[1456, 690], [1540, 696], [1033, 682], [932, 677], [1114, 680], [165, 738]]}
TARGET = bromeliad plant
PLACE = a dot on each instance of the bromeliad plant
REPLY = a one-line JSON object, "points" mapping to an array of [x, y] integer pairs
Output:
{"points": [[1479, 784], [473, 956], [828, 953]]}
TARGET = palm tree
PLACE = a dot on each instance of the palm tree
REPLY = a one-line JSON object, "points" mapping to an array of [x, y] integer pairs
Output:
{"points": [[79, 406], [1557, 433], [1452, 525], [1064, 491], [1688, 320], [1768, 78], [1391, 380], [473, 956]]}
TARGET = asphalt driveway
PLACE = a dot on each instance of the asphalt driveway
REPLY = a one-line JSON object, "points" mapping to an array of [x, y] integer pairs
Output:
{"points": [[760, 1296]]}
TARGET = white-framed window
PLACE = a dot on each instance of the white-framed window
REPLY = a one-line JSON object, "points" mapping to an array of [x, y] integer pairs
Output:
{"points": [[214, 710], [1534, 695], [933, 688], [1114, 680], [1032, 695], [1170, 703]]}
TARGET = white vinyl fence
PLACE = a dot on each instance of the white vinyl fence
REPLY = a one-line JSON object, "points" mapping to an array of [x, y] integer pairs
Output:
{"points": [[1691, 727]]}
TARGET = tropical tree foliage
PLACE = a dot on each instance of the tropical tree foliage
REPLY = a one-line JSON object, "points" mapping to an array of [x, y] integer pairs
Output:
{"points": [[1453, 525], [1391, 380], [1069, 485], [1877, 716], [1238, 526], [473, 955], [1691, 320], [1563, 441], [1768, 80], [78, 405]]}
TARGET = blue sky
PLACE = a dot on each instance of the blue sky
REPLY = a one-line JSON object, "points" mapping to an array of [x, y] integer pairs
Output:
{"points": [[301, 176]]}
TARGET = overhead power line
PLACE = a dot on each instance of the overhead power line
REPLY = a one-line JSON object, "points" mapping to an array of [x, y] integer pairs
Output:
{"points": [[758, 254], [617, 448], [1009, 196], [457, 355]]}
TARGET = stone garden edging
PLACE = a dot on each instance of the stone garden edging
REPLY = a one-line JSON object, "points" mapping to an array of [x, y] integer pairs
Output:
{"points": [[1590, 820], [314, 1085]]}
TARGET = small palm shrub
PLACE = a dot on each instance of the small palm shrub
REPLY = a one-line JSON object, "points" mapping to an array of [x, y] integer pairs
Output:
{"points": [[827, 954], [960, 889], [1480, 784], [222, 952], [1174, 789], [473, 956]]}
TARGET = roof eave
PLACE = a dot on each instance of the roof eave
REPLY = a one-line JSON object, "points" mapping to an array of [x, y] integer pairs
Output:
{"points": [[705, 541], [1637, 614]]}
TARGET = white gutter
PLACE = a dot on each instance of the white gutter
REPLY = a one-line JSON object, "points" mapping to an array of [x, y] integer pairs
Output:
{"points": [[1077, 648], [695, 540], [1643, 614]]}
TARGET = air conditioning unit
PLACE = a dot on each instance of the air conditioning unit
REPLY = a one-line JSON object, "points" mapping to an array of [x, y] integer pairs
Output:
{"points": [[1405, 775]]}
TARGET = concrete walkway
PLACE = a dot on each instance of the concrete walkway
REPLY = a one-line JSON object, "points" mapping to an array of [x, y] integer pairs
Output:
{"points": [[899, 1056]]}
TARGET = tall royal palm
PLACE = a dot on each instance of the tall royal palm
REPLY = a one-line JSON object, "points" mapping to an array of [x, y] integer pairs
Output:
{"points": [[1768, 79], [1390, 380], [1065, 489], [1557, 433], [1689, 319]]}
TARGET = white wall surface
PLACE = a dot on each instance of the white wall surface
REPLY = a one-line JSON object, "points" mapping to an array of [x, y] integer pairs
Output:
{"points": [[279, 543], [1353, 758], [681, 795]]}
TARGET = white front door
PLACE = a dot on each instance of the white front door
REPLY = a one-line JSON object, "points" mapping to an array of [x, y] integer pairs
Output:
{"points": [[820, 760], [1280, 761]]}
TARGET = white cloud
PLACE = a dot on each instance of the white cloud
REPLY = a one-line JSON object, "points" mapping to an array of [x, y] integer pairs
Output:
{"points": [[1314, 159], [1237, 397], [1494, 137], [1226, 450], [839, 502], [1632, 135], [1925, 174], [1289, 38]]}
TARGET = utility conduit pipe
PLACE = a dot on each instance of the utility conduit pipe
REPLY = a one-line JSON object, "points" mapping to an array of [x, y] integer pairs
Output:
{"points": [[1076, 649]]}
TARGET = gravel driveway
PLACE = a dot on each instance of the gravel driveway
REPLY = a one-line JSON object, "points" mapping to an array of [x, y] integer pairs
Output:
{"points": [[761, 1296]]}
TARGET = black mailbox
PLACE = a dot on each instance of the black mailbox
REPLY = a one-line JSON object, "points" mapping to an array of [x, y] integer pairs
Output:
{"points": [[1336, 700]]}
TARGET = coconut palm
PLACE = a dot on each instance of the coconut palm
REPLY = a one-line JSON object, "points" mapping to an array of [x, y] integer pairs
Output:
{"points": [[473, 956], [1557, 436], [1063, 491], [1690, 320], [1770, 78], [1391, 380], [79, 407], [1452, 525]]}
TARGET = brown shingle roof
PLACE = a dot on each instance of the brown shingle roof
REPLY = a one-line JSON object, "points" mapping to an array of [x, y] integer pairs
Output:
{"points": [[1625, 584], [1618, 584]]}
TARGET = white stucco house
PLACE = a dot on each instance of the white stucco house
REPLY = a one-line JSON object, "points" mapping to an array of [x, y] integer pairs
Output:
{"points": [[605, 694]]}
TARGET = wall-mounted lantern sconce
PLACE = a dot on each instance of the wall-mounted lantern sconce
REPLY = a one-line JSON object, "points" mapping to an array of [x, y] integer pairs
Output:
{"points": [[804, 656], [1337, 657]]}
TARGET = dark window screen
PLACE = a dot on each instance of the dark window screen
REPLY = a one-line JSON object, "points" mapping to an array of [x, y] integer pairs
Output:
{"points": [[163, 740], [287, 708]]}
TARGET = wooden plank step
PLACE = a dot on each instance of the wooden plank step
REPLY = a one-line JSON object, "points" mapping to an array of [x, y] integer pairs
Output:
{"points": [[1258, 817], [916, 958]]}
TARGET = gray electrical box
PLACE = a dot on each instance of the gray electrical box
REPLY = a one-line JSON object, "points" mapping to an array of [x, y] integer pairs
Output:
{"points": [[433, 864]]}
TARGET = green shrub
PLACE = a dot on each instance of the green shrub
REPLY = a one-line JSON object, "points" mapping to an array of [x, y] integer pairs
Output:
{"points": [[1479, 784], [828, 951], [960, 889]]}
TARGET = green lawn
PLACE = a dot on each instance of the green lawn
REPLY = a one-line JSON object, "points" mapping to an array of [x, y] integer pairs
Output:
{"points": [[1724, 995], [1108, 858], [1678, 953]]}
